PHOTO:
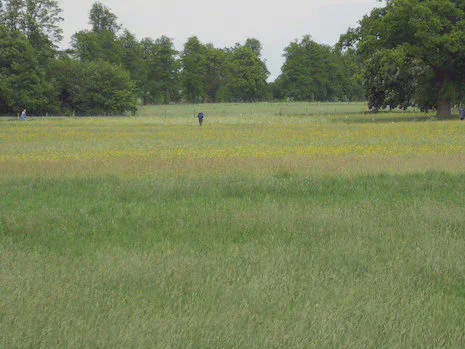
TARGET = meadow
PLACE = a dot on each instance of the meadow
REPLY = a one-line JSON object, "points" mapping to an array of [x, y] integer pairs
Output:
{"points": [[258, 230]]}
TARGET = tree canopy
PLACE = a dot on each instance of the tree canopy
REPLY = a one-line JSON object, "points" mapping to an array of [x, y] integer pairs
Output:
{"points": [[414, 53], [23, 83], [404, 53], [315, 72]]}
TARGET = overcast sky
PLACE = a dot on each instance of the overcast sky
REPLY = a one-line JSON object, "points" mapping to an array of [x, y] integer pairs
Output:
{"points": [[224, 22]]}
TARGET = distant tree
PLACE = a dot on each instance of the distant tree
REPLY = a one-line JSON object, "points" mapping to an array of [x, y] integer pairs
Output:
{"points": [[312, 72], [90, 46], [101, 43], [353, 88], [94, 88], [132, 59], [246, 75], [38, 20], [193, 62], [255, 45], [413, 49], [42, 20], [22, 81], [12, 14], [276, 90], [215, 74], [102, 19], [162, 83], [64, 74]]}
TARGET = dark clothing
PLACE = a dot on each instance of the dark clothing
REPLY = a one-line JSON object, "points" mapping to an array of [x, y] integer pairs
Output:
{"points": [[201, 116], [462, 113]]}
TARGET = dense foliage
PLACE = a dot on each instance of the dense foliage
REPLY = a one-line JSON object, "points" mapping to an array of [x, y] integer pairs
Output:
{"points": [[314, 72], [108, 70], [405, 53], [414, 54]]}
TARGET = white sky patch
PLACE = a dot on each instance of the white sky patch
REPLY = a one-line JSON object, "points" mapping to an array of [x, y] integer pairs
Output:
{"points": [[225, 22]]}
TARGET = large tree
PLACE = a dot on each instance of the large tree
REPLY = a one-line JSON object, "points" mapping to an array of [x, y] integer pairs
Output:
{"points": [[38, 20], [245, 73], [312, 72], [22, 81], [193, 61], [102, 19], [414, 53], [132, 59], [162, 81], [215, 74], [91, 46], [93, 88], [101, 42], [42, 20], [11, 13]]}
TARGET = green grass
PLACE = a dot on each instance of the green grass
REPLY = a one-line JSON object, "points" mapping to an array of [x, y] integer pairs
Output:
{"points": [[316, 109], [278, 251], [253, 109]]}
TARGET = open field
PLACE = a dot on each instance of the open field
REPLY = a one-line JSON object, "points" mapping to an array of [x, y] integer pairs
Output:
{"points": [[320, 110], [342, 230]]}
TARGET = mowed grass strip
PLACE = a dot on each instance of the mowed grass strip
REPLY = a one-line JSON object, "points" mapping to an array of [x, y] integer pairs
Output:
{"points": [[281, 260]]}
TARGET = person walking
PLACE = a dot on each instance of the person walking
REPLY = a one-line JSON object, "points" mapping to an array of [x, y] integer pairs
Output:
{"points": [[23, 115], [201, 116]]}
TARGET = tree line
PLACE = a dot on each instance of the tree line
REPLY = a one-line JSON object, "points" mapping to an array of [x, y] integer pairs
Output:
{"points": [[107, 70], [404, 53]]}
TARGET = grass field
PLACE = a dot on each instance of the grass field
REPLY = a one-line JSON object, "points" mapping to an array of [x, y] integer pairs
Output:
{"points": [[255, 231], [321, 110]]}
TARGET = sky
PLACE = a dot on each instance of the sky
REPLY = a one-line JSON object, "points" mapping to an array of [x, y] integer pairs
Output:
{"points": [[225, 22]]}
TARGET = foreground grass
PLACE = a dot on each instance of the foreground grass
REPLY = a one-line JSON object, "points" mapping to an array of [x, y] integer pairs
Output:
{"points": [[283, 261], [252, 232]]}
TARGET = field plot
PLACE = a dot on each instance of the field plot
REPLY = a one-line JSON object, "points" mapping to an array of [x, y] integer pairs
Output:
{"points": [[255, 231]]}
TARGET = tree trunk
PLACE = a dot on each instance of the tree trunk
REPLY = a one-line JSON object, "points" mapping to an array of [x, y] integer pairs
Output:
{"points": [[444, 109]]}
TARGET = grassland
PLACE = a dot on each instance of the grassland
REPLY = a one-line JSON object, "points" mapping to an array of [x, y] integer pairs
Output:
{"points": [[316, 110], [255, 231]]}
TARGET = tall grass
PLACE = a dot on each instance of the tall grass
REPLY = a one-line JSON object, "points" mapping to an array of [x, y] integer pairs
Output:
{"points": [[116, 250]]}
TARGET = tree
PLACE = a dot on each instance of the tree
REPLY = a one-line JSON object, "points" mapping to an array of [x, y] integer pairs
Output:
{"points": [[93, 88], [12, 13], [91, 46], [352, 88], [22, 81], [255, 46], [419, 42], [193, 62], [102, 19], [38, 20], [312, 72], [101, 43], [132, 59], [214, 72], [64, 74], [275, 90], [162, 83], [42, 20], [246, 75]]}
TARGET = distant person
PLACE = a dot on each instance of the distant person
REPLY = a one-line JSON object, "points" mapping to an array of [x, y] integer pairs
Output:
{"points": [[23, 115], [201, 116], [462, 113]]}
